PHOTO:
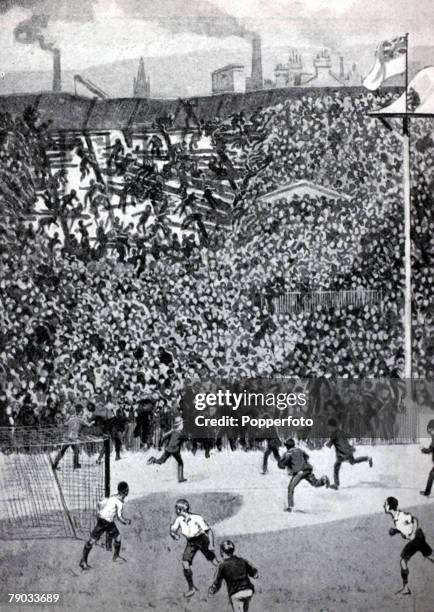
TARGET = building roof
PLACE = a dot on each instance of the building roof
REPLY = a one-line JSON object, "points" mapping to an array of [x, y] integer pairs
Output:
{"points": [[324, 78], [302, 188], [229, 67]]}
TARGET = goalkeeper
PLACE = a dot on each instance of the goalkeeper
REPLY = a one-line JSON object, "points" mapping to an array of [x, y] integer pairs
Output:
{"points": [[109, 509], [74, 425]]}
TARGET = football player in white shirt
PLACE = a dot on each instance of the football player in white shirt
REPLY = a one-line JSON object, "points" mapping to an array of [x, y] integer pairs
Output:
{"points": [[407, 525], [199, 536], [110, 508]]}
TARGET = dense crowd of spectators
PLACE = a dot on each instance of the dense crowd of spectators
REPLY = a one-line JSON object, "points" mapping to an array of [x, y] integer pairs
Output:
{"points": [[125, 322]]}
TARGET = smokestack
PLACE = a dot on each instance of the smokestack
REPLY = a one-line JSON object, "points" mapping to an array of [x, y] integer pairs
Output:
{"points": [[341, 65], [57, 71], [257, 81]]}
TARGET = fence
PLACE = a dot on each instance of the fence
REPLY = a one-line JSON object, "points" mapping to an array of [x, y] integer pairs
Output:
{"points": [[297, 301]]}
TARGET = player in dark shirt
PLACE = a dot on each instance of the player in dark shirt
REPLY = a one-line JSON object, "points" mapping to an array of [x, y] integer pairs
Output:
{"points": [[236, 572], [429, 451], [143, 427], [298, 466], [273, 445], [175, 438], [118, 424], [344, 451]]}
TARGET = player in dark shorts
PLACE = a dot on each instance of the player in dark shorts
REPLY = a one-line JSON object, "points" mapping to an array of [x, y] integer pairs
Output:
{"points": [[236, 572], [110, 508], [344, 451], [429, 451], [175, 439], [295, 460], [199, 536], [407, 525], [273, 445]]}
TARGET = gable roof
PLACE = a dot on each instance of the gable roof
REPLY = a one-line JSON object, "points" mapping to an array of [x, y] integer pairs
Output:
{"points": [[302, 188]]}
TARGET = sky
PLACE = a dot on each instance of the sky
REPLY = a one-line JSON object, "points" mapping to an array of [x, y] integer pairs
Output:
{"points": [[90, 32]]}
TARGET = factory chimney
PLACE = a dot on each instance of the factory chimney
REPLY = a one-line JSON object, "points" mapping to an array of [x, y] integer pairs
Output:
{"points": [[57, 71], [257, 81], [341, 67]]}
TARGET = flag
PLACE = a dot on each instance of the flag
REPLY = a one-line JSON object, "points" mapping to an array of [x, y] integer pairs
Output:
{"points": [[419, 97], [390, 60]]}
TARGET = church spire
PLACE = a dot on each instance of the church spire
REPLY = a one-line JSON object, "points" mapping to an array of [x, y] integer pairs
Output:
{"points": [[141, 83]]}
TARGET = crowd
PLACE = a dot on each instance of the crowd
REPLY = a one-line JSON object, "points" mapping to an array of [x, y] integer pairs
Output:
{"points": [[121, 325]]}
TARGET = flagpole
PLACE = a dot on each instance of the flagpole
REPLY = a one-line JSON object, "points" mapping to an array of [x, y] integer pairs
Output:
{"points": [[407, 241], [406, 72]]}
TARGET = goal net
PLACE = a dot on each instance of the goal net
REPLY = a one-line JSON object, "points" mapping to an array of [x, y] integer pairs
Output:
{"points": [[49, 486]]}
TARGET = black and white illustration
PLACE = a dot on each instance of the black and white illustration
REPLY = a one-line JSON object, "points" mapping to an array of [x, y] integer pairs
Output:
{"points": [[216, 305]]}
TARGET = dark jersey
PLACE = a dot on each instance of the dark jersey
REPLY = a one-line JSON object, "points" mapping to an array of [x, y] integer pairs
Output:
{"points": [[295, 460], [235, 571], [430, 449], [340, 441], [273, 442], [175, 438], [118, 423]]}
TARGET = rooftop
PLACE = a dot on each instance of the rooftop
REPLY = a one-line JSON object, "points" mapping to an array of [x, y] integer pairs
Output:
{"points": [[302, 188], [229, 67]]}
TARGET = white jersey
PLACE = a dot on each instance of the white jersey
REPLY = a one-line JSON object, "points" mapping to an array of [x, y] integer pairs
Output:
{"points": [[406, 524], [191, 525], [110, 508]]}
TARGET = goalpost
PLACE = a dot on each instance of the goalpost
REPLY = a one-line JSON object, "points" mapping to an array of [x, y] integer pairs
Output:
{"points": [[38, 500]]}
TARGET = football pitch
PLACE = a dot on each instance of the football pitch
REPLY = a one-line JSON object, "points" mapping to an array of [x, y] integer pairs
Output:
{"points": [[333, 555]]}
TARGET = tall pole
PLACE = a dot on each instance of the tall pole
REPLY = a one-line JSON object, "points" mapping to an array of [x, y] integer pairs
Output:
{"points": [[407, 230], [106, 443], [407, 242], [407, 255]]}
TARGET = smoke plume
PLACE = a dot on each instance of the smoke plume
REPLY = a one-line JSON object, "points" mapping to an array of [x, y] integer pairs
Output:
{"points": [[29, 32], [180, 16], [177, 16], [65, 10]]}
